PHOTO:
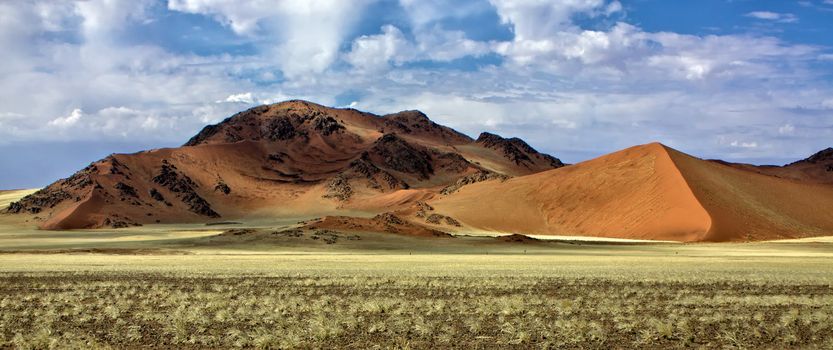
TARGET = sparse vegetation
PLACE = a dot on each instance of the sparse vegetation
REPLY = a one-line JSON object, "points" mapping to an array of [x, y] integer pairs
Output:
{"points": [[428, 301]]}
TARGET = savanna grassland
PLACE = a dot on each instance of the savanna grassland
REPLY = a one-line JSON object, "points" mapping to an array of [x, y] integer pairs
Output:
{"points": [[672, 296]]}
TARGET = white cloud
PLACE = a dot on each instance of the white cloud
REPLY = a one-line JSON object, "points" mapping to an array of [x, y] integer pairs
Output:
{"points": [[773, 16], [243, 18], [377, 52], [374, 52], [69, 120], [430, 40], [102, 17], [150, 123], [539, 19], [443, 45], [240, 98]]}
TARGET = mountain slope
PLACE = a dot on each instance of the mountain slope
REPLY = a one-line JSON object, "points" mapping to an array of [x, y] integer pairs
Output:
{"points": [[291, 158], [647, 192], [817, 168]]}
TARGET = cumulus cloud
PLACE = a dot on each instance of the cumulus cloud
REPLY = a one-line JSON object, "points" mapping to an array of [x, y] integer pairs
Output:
{"points": [[379, 51], [431, 42], [240, 98], [69, 120], [375, 52]]}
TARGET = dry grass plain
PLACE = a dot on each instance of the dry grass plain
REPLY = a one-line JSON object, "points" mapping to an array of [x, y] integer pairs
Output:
{"points": [[197, 286], [558, 296]]}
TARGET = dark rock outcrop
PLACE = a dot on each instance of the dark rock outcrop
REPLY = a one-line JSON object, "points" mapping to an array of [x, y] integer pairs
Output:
{"points": [[388, 219], [416, 122], [377, 178], [156, 195], [198, 205], [326, 125], [480, 176], [222, 187], [185, 188], [423, 209], [438, 219], [339, 188], [36, 202], [516, 150], [118, 221], [126, 190], [453, 162], [398, 154], [279, 129]]}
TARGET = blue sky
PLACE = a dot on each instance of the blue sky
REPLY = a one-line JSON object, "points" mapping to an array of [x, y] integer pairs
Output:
{"points": [[742, 80]]}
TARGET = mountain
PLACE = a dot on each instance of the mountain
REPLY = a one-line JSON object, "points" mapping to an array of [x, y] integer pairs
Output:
{"points": [[647, 192], [287, 159], [817, 168]]}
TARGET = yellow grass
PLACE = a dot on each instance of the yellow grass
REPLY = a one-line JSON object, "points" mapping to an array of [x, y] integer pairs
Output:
{"points": [[599, 298]]}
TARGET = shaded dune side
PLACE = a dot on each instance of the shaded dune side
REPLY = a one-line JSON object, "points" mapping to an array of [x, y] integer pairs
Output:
{"points": [[747, 206], [636, 193], [78, 215]]}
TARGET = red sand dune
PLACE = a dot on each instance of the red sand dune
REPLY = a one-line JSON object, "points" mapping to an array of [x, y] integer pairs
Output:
{"points": [[647, 192]]}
